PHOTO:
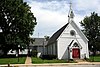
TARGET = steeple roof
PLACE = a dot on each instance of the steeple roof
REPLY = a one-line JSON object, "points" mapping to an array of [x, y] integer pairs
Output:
{"points": [[70, 14]]}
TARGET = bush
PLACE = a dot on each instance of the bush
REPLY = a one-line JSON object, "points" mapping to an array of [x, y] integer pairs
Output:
{"points": [[49, 57], [34, 53]]}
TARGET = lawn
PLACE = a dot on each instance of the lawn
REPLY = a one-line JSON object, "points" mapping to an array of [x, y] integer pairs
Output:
{"points": [[95, 58], [12, 60], [39, 60]]}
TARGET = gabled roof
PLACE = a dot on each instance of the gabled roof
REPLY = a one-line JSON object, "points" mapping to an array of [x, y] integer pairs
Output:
{"points": [[55, 36]]}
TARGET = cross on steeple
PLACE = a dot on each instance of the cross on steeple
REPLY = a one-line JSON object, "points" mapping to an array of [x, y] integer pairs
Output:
{"points": [[71, 13], [70, 5]]}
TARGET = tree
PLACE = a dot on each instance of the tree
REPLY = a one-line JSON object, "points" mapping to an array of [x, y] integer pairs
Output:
{"points": [[47, 37], [17, 23], [91, 28]]}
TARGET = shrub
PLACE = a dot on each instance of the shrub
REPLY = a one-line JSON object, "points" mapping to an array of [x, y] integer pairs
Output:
{"points": [[34, 53], [49, 57]]}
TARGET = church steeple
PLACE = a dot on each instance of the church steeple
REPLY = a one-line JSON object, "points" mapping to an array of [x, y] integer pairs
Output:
{"points": [[70, 14]]}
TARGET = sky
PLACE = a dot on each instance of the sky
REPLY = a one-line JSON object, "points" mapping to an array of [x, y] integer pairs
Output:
{"points": [[53, 14]]}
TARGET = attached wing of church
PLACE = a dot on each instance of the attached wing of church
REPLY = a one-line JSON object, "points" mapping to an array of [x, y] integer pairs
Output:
{"points": [[68, 42]]}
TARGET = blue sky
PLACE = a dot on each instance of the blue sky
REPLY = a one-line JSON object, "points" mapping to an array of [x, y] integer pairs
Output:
{"points": [[52, 14]]}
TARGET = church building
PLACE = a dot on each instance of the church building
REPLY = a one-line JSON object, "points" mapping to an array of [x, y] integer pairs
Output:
{"points": [[68, 42]]}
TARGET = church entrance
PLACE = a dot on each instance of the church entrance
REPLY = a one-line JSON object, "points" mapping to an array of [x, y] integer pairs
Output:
{"points": [[76, 53]]}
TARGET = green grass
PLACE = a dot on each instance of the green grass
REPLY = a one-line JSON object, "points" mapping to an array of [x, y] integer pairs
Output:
{"points": [[12, 60], [95, 58], [39, 60]]}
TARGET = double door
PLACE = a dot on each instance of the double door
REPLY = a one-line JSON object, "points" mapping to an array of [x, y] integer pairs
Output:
{"points": [[76, 53]]}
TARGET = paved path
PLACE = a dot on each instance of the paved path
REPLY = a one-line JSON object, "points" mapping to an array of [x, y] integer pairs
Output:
{"points": [[28, 60], [91, 64], [76, 65], [81, 61]]}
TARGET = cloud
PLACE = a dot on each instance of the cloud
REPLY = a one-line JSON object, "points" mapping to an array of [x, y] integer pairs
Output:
{"points": [[87, 6], [48, 20], [52, 14]]}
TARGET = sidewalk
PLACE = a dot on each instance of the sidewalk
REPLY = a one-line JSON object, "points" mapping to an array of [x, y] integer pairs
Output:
{"points": [[80, 61], [93, 64], [28, 60]]}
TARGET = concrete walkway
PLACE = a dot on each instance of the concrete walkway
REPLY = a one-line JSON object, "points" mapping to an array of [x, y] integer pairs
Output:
{"points": [[90, 64], [80, 61], [28, 60]]}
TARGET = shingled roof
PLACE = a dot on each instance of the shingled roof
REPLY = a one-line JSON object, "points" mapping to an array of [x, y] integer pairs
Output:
{"points": [[55, 36]]}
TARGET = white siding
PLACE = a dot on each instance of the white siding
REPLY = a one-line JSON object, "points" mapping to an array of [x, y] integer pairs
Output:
{"points": [[52, 49], [84, 50], [63, 48], [40, 49], [48, 50]]}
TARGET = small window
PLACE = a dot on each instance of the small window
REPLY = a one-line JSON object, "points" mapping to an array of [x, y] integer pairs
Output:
{"points": [[72, 32]]}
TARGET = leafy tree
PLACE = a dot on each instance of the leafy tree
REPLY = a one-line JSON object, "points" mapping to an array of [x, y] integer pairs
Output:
{"points": [[46, 37], [17, 23], [91, 28]]}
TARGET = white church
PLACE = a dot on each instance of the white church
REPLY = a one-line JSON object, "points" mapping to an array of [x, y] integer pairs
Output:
{"points": [[68, 42]]}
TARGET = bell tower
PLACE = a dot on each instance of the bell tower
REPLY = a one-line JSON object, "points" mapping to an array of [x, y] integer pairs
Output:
{"points": [[71, 13]]}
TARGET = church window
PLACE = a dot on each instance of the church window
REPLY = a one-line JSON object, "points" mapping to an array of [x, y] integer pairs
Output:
{"points": [[72, 32], [75, 45]]}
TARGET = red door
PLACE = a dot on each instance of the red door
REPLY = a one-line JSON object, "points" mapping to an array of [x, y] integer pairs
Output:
{"points": [[76, 53]]}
